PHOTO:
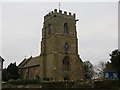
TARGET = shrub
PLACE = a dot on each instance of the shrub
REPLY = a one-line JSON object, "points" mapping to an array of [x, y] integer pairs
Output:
{"points": [[46, 79], [24, 81]]}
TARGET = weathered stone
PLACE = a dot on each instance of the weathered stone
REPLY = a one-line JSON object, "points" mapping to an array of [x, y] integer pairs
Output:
{"points": [[59, 57]]}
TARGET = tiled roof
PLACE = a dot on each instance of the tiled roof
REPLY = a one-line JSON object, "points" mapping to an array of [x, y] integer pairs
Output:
{"points": [[30, 62], [24, 62]]}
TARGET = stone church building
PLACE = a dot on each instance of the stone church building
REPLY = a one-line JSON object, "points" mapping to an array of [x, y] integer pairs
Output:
{"points": [[59, 57]]}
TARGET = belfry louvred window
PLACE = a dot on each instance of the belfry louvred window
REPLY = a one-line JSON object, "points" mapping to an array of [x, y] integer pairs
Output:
{"points": [[65, 28], [49, 28]]}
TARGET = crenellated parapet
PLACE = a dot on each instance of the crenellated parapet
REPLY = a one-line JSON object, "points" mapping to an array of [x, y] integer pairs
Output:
{"points": [[59, 13]]}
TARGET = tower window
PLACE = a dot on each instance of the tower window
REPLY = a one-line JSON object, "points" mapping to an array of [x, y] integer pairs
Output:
{"points": [[49, 28], [66, 64], [65, 28]]}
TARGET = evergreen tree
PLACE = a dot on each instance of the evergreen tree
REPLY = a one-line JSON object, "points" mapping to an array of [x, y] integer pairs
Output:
{"points": [[11, 72], [115, 61], [4, 74]]}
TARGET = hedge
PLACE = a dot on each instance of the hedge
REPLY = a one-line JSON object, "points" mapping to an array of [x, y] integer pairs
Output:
{"points": [[24, 81]]}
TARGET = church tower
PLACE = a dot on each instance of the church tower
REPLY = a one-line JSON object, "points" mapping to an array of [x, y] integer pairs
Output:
{"points": [[59, 47]]}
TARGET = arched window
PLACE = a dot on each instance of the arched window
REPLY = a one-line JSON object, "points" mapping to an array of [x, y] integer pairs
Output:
{"points": [[66, 63], [49, 28], [65, 28]]}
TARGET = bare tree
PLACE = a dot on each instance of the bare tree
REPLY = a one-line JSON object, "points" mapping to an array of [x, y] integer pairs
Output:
{"points": [[99, 69]]}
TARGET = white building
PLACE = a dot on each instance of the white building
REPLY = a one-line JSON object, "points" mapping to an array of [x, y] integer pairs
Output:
{"points": [[1, 66]]}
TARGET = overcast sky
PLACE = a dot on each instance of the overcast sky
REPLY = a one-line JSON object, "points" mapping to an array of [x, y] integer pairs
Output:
{"points": [[97, 29]]}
